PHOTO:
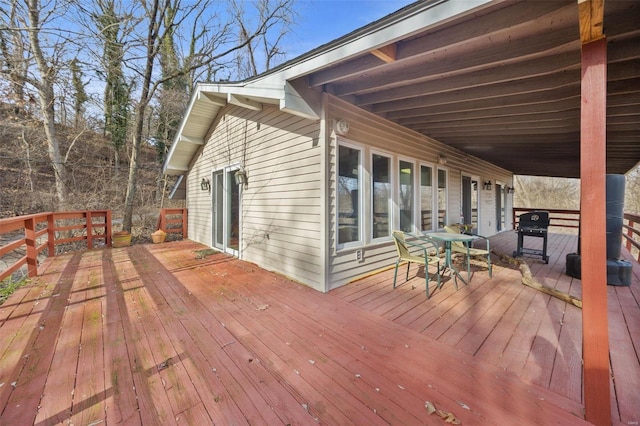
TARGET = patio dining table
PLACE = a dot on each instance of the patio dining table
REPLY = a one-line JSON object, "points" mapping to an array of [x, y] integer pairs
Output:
{"points": [[447, 238]]}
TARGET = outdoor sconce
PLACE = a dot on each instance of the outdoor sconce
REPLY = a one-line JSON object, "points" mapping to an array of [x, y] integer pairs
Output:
{"points": [[442, 159], [205, 185], [510, 190], [487, 185], [241, 177]]}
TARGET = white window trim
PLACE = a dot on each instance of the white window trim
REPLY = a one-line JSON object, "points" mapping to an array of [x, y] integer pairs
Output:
{"points": [[434, 196], [446, 196], [361, 185], [414, 207], [391, 201]]}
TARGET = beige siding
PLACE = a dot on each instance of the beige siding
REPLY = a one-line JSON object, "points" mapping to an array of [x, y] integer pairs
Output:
{"points": [[281, 207], [372, 132]]}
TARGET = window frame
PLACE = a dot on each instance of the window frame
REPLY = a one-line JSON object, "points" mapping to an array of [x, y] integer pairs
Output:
{"points": [[446, 196], [414, 207], [360, 241], [390, 201]]}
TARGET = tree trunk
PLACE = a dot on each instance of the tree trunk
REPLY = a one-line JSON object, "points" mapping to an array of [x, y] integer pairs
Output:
{"points": [[47, 102]]}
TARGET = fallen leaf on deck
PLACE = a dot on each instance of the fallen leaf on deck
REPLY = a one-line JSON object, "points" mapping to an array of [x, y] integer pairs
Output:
{"points": [[261, 307], [164, 364], [463, 405], [430, 407]]}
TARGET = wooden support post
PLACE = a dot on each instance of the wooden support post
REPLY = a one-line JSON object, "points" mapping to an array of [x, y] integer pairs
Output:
{"points": [[184, 224], [595, 336], [51, 235], [107, 229], [89, 226], [32, 253]]}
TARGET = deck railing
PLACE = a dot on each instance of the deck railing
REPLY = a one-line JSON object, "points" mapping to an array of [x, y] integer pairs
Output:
{"points": [[571, 219], [631, 234], [24, 238], [173, 221]]}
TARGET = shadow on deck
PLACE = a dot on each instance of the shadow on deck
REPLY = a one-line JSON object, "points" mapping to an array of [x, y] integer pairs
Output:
{"points": [[158, 334]]}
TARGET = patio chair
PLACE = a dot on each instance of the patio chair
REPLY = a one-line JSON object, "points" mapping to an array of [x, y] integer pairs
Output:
{"points": [[468, 250], [426, 259]]}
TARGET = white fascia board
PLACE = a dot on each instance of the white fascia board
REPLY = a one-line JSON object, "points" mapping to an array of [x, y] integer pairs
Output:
{"points": [[176, 141], [256, 92], [413, 21], [191, 140]]}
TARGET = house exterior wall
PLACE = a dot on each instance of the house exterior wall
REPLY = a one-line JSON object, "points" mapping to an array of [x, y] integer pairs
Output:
{"points": [[375, 135], [281, 206]]}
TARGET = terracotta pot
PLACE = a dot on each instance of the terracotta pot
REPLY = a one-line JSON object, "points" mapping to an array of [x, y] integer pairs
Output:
{"points": [[158, 236]]}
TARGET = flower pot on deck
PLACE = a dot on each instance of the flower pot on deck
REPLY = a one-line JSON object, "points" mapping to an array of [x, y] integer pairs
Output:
{"points": [[121, 239], [158, 236]]}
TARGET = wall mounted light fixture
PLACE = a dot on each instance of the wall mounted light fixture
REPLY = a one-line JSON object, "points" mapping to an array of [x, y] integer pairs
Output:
{"points": [[205, 184], [510, 189], [487, 185], [442, 159], [241, 177]]}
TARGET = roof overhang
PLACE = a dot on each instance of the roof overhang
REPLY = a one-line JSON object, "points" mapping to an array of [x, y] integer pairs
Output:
{"points": [[499, 80]]}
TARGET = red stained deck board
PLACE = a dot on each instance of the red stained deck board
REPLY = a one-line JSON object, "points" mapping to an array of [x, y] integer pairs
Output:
{"points": [[333, 312], [442, 317], [360, 372], [477, 332], [443, 365], [624, 363], [321, 330], [238, 350], [120, 399], [566, 378], [326, 364], [543, 351], [22, 406], [475, 314], [229, 372], [516, 353]]}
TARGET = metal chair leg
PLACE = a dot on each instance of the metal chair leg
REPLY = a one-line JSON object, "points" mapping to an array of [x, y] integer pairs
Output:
{"points": [[395, 275]]}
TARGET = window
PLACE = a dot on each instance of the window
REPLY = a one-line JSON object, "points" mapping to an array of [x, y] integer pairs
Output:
{"points": [[405, 201], [426, 198], [381, 193], [442, 198], [348, 193]]}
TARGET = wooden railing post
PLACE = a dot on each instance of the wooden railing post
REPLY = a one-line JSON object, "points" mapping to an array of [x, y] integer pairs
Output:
{"points": [[32, 253], [107, 228], [630, 234], [88, 223], [51, 235], [184, 223]]}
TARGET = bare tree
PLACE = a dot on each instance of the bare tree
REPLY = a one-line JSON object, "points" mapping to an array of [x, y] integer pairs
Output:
{"points": [[213, 48]]}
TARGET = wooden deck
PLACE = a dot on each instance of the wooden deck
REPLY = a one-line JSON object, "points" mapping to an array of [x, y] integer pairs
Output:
{"points": [[156, 334]]}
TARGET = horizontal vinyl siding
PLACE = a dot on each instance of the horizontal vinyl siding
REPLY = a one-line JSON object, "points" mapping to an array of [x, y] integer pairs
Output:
{"points": [[281, 207], [373, 132]]}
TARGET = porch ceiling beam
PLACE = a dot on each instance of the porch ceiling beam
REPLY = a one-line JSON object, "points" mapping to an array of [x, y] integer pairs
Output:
{"points": [[434, 83], [426, 45], [591, 17], [211, 98], [533, 98], [526, 87], [244, 102], [386, 53]]}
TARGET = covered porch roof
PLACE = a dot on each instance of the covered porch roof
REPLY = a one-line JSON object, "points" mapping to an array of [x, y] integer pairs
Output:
{"points": [[499, 80]]}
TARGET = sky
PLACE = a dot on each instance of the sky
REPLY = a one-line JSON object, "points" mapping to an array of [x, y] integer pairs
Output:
{"points": [[322, 21]]}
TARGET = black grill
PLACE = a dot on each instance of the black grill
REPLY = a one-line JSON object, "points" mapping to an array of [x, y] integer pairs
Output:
{"points": [[533, 224]]}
